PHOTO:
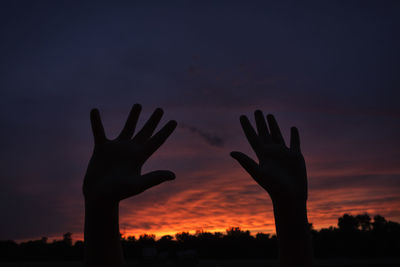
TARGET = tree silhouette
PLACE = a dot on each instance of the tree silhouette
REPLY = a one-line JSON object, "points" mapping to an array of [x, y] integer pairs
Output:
{"points": [[364, 221], [379, 223], [357, 236], [348, 223], [147, 240], [67, 238]]}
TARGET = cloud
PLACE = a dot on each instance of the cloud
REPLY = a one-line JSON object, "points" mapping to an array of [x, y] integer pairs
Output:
{"points": [[210, 138]]}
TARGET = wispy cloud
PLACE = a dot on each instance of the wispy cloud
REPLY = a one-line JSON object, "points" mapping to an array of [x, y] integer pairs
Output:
{"points": [[210, 138]]}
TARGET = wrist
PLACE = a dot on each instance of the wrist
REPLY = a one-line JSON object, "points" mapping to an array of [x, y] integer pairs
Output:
{"points": [[93, 200], [293, 232], [290, 211], [101, 233], [101, 214], [101, 218], [100, 204]]}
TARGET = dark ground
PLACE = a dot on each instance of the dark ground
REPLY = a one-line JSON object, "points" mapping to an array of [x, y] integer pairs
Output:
{"points": [[222, 263]]}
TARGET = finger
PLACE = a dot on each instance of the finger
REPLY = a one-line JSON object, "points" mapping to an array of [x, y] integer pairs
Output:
{"points": [[154, 178], [262, 128], [275, 131], [159, 138], [150, 126], [294, 139], [131, 122], [97, 127], [246, 162], [251, 135]]}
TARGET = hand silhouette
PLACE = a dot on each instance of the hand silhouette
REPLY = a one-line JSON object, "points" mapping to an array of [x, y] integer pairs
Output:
{"points": [[281, 171], [114, 171]]}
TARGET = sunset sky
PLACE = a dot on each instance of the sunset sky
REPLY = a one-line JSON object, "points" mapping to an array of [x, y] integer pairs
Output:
{"points": [[330, 68]]}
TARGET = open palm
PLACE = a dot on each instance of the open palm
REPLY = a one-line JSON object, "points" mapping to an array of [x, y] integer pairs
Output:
{"points": [[281, 170], [114, 171]]}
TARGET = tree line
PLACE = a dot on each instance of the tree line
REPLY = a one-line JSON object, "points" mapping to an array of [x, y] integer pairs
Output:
{"points": [[357, 236]]}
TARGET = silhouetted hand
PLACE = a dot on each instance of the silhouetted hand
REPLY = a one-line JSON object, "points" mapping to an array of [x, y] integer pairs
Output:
{"points": [[281, 170], [114, 171], [113, 174]]}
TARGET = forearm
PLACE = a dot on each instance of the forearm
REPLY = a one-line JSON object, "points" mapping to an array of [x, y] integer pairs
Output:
{"points": [[102, 237], [293, 233]]}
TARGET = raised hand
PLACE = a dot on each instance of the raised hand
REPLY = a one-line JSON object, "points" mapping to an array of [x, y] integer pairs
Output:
{"points": [[114, 171], [113, 174], [281, 170]]}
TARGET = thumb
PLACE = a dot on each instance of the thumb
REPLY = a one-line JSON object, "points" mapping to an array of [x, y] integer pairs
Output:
{"points": [[246, 162], [154, 178]]}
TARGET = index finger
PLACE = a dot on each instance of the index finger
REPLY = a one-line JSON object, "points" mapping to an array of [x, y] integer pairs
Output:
{"points": [[97, 127]]}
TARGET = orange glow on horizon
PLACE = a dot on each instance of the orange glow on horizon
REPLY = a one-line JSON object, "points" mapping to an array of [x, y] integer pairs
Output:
{"points": [[234, 200]]}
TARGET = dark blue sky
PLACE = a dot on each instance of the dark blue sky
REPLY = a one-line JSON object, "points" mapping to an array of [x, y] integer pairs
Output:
{"points": [[331, 68]]}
